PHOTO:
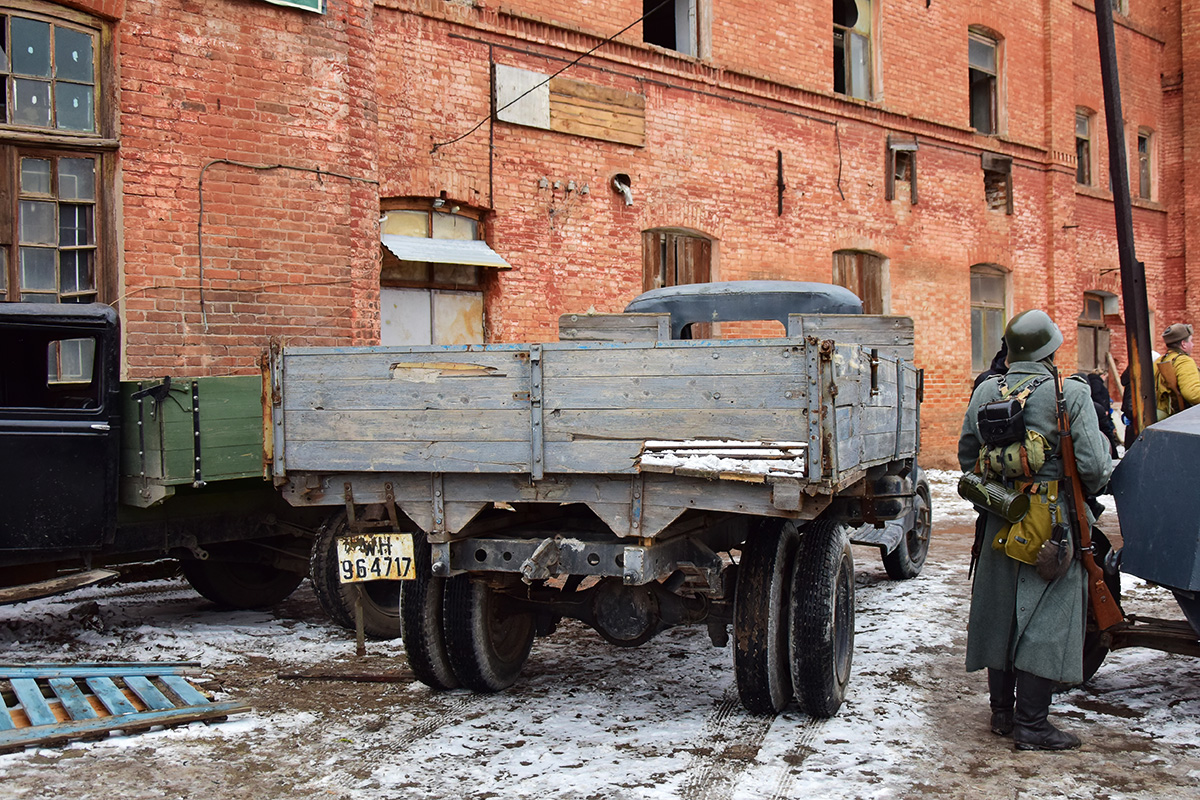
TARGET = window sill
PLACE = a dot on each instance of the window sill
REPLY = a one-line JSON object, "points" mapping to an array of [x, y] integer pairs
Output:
{"points": [[1148, 205], [1093, 191]]}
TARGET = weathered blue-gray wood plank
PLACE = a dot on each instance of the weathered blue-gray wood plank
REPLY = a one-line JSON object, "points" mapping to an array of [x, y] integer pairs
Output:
{"points": [[699, 358], [72, 699], [88, 670], [6, 722], [425, 457], [18, 738], [29, 695], [367, 394], [112, 697], [681, 391], [407, 426], [148, 692], [183, 690]]}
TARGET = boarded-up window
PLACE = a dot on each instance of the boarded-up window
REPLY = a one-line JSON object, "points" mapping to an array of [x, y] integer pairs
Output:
{"points": [[997, 182], [865, 274], [672, 258], [989, 313], [900, 168]]}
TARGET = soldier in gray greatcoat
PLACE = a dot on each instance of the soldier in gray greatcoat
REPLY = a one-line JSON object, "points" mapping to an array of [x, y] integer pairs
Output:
{"points": [[1026, 631]]}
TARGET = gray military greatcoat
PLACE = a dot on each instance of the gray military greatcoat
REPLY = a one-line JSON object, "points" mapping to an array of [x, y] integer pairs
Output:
{"points": [[1019, 621]]}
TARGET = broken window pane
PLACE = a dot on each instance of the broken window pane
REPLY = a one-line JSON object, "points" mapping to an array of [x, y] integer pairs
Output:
{"points": [[996, 189], [1144, 182], [31, 47]]}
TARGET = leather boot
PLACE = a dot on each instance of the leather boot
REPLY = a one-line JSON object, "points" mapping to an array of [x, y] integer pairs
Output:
{"points": [[1002, 687], [1031, 729]]}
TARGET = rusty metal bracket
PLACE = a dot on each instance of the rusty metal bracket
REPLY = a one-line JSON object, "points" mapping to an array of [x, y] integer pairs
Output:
{"points": [[637, 491]]}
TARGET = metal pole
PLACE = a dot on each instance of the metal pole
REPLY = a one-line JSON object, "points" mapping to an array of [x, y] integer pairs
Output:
{"points": [[1133, 272]]}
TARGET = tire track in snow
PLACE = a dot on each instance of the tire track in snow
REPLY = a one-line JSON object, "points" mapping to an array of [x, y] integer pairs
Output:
{"points": [[453, 710], [737, 737], [795, 756]]}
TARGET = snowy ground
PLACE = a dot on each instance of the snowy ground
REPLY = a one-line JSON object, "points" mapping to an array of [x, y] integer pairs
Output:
{"points": [[589, 720]]}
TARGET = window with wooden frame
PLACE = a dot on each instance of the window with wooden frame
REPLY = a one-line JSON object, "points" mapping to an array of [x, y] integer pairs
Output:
{"points": [[901, 166], [418, 218], [989, 313], [1145, 156], [997, 182], [983, 56], [1094, 336], [866, 275], [56, 237], [852, 48], [1083, 146]]}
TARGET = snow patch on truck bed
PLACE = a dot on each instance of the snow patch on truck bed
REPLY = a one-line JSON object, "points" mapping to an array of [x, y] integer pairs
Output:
{"points": [[718, 458]]}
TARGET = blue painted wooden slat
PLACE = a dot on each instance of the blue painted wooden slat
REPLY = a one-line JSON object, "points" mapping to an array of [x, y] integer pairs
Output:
{"points": [[150, 695], [112, 697], [32, 702], [74, 729], [73, 701], [98, 670], [187, 693], [6, 722]]}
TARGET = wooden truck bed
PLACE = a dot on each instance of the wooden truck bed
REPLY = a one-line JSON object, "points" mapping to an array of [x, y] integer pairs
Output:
{"points": [[780, 419]]}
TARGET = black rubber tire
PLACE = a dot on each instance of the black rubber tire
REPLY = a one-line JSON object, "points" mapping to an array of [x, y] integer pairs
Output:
{"points": [[907, 560], [822, 618], [239, 584], [421, 612], [761, 662], [1094, 651], [380, 599], [487, 642]]}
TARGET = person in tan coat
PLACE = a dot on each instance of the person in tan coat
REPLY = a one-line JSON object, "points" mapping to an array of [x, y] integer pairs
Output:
{"points": [[1176, 378]]}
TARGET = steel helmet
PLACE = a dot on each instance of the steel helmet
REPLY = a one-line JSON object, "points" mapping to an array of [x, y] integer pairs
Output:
{"points": [[1031, 336]]}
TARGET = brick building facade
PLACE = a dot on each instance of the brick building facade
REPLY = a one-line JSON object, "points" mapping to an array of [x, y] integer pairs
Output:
{"points": [[946, 160]]}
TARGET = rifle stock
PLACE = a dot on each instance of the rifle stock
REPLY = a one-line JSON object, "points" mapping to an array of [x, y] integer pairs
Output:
{"points": [[1104, 606]]}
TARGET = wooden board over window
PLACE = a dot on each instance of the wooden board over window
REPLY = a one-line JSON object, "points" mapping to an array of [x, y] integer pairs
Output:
{"points": [[569, 106]]}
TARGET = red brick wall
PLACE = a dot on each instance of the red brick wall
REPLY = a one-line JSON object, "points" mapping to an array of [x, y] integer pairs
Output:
{"points": [[378, 92], [288, 251]]}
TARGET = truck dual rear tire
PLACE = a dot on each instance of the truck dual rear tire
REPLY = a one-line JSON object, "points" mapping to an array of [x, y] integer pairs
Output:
{"points": [[487, 641], [421, 615], [822, 618], [760, 655]]}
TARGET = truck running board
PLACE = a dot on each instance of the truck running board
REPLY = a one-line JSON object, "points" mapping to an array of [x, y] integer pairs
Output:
{"points": [[60, 585]]}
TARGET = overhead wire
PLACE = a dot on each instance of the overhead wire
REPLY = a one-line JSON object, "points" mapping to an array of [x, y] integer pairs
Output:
{"points": [[438, 145]]}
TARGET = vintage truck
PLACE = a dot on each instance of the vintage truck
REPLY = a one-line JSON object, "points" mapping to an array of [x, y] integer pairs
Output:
{"points": [[626, 475], [97, 471]]}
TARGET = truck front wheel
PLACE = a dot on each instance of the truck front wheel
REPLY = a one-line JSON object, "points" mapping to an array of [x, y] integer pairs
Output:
{"points": [[760, 624], [488, 641], [239, 584], [822, 618], [380, 599], [908, 558]]}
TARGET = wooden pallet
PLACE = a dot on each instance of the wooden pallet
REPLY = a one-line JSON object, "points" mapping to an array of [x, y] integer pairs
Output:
{"points": [[43, 704]]}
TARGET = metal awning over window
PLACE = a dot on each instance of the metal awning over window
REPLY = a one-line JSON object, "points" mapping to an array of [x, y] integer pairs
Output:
{"points": [[443, 251]]}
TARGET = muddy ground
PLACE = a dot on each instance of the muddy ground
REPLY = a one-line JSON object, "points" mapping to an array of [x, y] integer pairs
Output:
{"points": [[588, 720]]}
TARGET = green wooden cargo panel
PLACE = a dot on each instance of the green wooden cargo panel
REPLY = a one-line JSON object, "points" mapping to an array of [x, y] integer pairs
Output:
{"points": [[192, 430]]}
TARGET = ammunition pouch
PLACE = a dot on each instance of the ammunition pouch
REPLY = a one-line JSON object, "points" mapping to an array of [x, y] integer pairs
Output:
{"points": [[1002, 422]]}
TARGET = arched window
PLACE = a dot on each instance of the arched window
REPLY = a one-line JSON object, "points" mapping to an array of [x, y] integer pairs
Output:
{"points": [[989, 313]]}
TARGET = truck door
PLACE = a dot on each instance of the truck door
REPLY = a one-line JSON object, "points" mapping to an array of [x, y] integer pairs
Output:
{"points": [[59, 426]]}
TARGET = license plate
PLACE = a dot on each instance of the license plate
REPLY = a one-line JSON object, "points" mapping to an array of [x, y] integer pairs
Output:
{"points": [[376, 557]]}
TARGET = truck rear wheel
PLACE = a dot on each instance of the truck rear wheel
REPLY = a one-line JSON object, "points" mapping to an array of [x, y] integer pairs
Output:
{"points": [[908, 558], [822, 618], [380, 599], [240, 584], [760, 623], [487, 641], [421, 611]]}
